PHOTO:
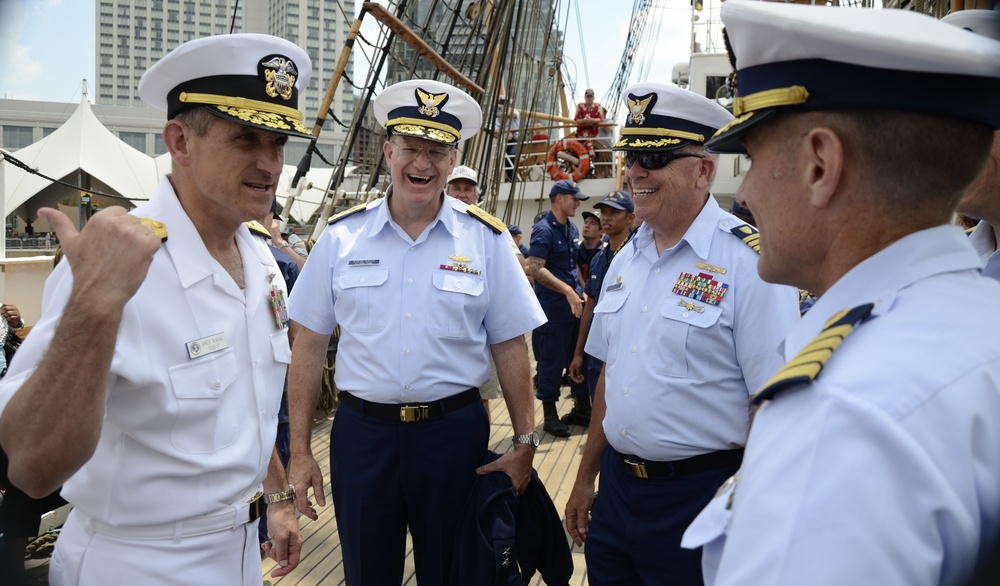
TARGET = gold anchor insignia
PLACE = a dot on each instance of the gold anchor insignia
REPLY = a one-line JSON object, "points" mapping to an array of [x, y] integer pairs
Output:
{"points": [[280, 74], [690, 306], [270, 277]]}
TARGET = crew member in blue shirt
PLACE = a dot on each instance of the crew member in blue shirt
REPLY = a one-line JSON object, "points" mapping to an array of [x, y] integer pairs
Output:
{"points": [[687, 331], [551, 262], [424, 288]]}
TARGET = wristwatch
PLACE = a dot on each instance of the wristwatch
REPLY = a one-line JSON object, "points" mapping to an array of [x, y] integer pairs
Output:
{"points": [[530, 439], [277, 497]]}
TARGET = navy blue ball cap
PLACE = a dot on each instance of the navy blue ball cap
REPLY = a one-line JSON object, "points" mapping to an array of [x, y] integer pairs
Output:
{"points": [[619, 200], [567, 187], [514, 229], [799, 58], [249, 79]]}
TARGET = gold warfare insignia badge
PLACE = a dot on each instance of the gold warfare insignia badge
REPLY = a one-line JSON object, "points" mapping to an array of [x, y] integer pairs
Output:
{"points": [[460, 264], [430, 103], [280, 74], [637, 106]]}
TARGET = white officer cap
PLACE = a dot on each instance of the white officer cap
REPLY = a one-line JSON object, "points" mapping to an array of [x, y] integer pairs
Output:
{"points": [[981, 22], [463, 172], [798, 58], [428, 109], [250, 79], [664, 117]]}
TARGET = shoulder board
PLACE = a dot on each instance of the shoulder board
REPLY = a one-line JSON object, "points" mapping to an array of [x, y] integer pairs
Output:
{"points": [[258, 229], [805, 366], [749, 235], [348, 212], [480, 214], [158, 228]]}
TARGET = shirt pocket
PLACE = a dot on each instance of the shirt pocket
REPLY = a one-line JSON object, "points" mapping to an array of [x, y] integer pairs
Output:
{"points": [[684, 339], [282, 354], [459, 306], [361, 303], [198, 387], [608, 321]]}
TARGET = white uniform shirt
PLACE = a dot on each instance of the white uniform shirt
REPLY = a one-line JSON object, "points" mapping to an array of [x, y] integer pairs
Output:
{"points": [[678, 380], [415, 315], [885, 469], [182, 436], [984, 241]]}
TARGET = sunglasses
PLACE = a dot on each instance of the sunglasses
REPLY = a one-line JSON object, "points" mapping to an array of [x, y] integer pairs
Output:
{"points": [[657, 160]]}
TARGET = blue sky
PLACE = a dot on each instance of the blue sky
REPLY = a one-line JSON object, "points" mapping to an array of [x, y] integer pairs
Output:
{"points": [[49, 45]]}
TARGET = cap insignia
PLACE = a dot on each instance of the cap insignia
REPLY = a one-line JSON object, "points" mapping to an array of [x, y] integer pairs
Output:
{"points": [[637, 107], [280, 74], [430, 102]]}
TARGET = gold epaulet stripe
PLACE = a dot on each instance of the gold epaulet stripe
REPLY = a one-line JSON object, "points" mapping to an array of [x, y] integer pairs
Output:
{"points": [[158, 228], [485, 217], [257, 228], [348, 212], [749, 235], [806, 365]]}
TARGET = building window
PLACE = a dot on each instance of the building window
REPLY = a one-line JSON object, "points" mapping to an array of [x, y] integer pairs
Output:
{"points": [[158, 147], [47, 131], [17, 137], [136, 140]]}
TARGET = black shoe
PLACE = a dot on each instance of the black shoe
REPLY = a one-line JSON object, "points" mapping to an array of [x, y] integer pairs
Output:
{"points": [[552, 424], [580, 415]]}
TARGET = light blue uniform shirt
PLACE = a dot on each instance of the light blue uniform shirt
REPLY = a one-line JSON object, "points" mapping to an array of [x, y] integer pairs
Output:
{"points": [[983, 240], [885, 469], [679, 380], [416, 316]]}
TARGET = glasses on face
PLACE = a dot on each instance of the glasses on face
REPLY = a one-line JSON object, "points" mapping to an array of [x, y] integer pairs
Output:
{"points": [[658, 160], [436, 154]]}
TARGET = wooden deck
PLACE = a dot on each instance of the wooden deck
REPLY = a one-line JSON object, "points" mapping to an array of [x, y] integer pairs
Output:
{"points": [[556, 463]]}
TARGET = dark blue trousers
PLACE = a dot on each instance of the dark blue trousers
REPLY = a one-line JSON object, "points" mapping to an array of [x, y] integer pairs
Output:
{"points": [[553, 344], [637, 525], [388, 476], [594, 367]]}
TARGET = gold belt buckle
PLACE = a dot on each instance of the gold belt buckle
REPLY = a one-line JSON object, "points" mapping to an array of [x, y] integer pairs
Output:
{"points": [[411, 413], [636, 469], [256, 504]]}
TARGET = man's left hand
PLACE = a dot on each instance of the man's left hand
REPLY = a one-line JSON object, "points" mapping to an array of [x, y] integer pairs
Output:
{"points": [[516, 464], [285, 544]]}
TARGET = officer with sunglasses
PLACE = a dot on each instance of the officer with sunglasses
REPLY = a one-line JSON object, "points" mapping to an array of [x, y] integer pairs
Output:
{"points": [[687, 331]]}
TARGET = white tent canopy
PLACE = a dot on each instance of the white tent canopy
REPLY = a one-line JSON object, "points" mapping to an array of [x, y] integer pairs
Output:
{"points": [[81, 151]]}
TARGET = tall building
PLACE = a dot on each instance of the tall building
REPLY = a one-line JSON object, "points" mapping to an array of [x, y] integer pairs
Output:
{"points": [[134, 34]]}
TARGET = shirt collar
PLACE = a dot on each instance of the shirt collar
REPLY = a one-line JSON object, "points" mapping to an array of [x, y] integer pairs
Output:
{"points": [[444, 216]]}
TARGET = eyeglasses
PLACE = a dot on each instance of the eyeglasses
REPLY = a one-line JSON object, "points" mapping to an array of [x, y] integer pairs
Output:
{"points": [[657, 160], [436, 154]]}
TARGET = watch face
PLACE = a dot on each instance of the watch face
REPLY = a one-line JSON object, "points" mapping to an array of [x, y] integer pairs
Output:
{"points": [[534, 439]]}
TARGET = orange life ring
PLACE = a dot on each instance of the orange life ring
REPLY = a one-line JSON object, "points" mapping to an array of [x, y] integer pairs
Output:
{"points": [[581, 152]]}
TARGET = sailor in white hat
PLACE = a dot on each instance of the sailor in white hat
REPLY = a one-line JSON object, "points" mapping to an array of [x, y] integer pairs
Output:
{"points": [[422, 288], [686, 329], [463, 184], [163, 358], [875, 452]]}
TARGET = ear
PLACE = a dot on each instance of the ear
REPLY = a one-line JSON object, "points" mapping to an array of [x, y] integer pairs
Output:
{"points": [[823, 167], [387, 151], [175, 135], [706, 170]]}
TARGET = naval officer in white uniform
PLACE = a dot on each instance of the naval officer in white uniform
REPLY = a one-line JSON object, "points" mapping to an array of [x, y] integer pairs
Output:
{"points": [[150, 387], [875, 455]]}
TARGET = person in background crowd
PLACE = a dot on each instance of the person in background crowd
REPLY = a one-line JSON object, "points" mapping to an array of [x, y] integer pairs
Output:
{"points": [[590, 243], [588, 115], [855, 204]]}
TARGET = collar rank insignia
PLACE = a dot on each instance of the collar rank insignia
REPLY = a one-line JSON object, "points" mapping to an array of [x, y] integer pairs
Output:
{"points": [[280, 74], [430, 103], [805, 366], [460, 265], [158, 228], [637, 106], [701, 287], [749, 235]]}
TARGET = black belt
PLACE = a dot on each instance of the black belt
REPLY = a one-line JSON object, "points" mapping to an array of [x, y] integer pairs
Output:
{"points": [[410, 412], [703, 463], [256, 507]]}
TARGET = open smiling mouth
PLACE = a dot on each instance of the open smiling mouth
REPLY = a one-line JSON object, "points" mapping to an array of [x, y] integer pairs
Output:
{"points": [[419, 179]]}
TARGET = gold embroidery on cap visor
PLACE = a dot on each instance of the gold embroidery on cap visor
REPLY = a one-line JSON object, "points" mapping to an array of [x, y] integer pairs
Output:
{"points": [[424, 131], [265, 119], [640, 143]]}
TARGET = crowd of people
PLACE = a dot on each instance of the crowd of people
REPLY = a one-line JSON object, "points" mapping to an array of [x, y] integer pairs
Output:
{"points": [[735, 435]]}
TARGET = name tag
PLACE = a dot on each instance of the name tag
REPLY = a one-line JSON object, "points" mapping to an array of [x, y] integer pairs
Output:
{"points": [[207, 345], [615, 287], [363, 263]]}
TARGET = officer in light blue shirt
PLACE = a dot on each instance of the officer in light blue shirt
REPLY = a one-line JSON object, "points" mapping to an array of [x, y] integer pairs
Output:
{"points": [[424, 288], [687, 331]]}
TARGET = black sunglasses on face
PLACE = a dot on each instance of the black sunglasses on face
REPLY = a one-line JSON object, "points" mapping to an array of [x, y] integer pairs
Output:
{"points": [[657, 160]]}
